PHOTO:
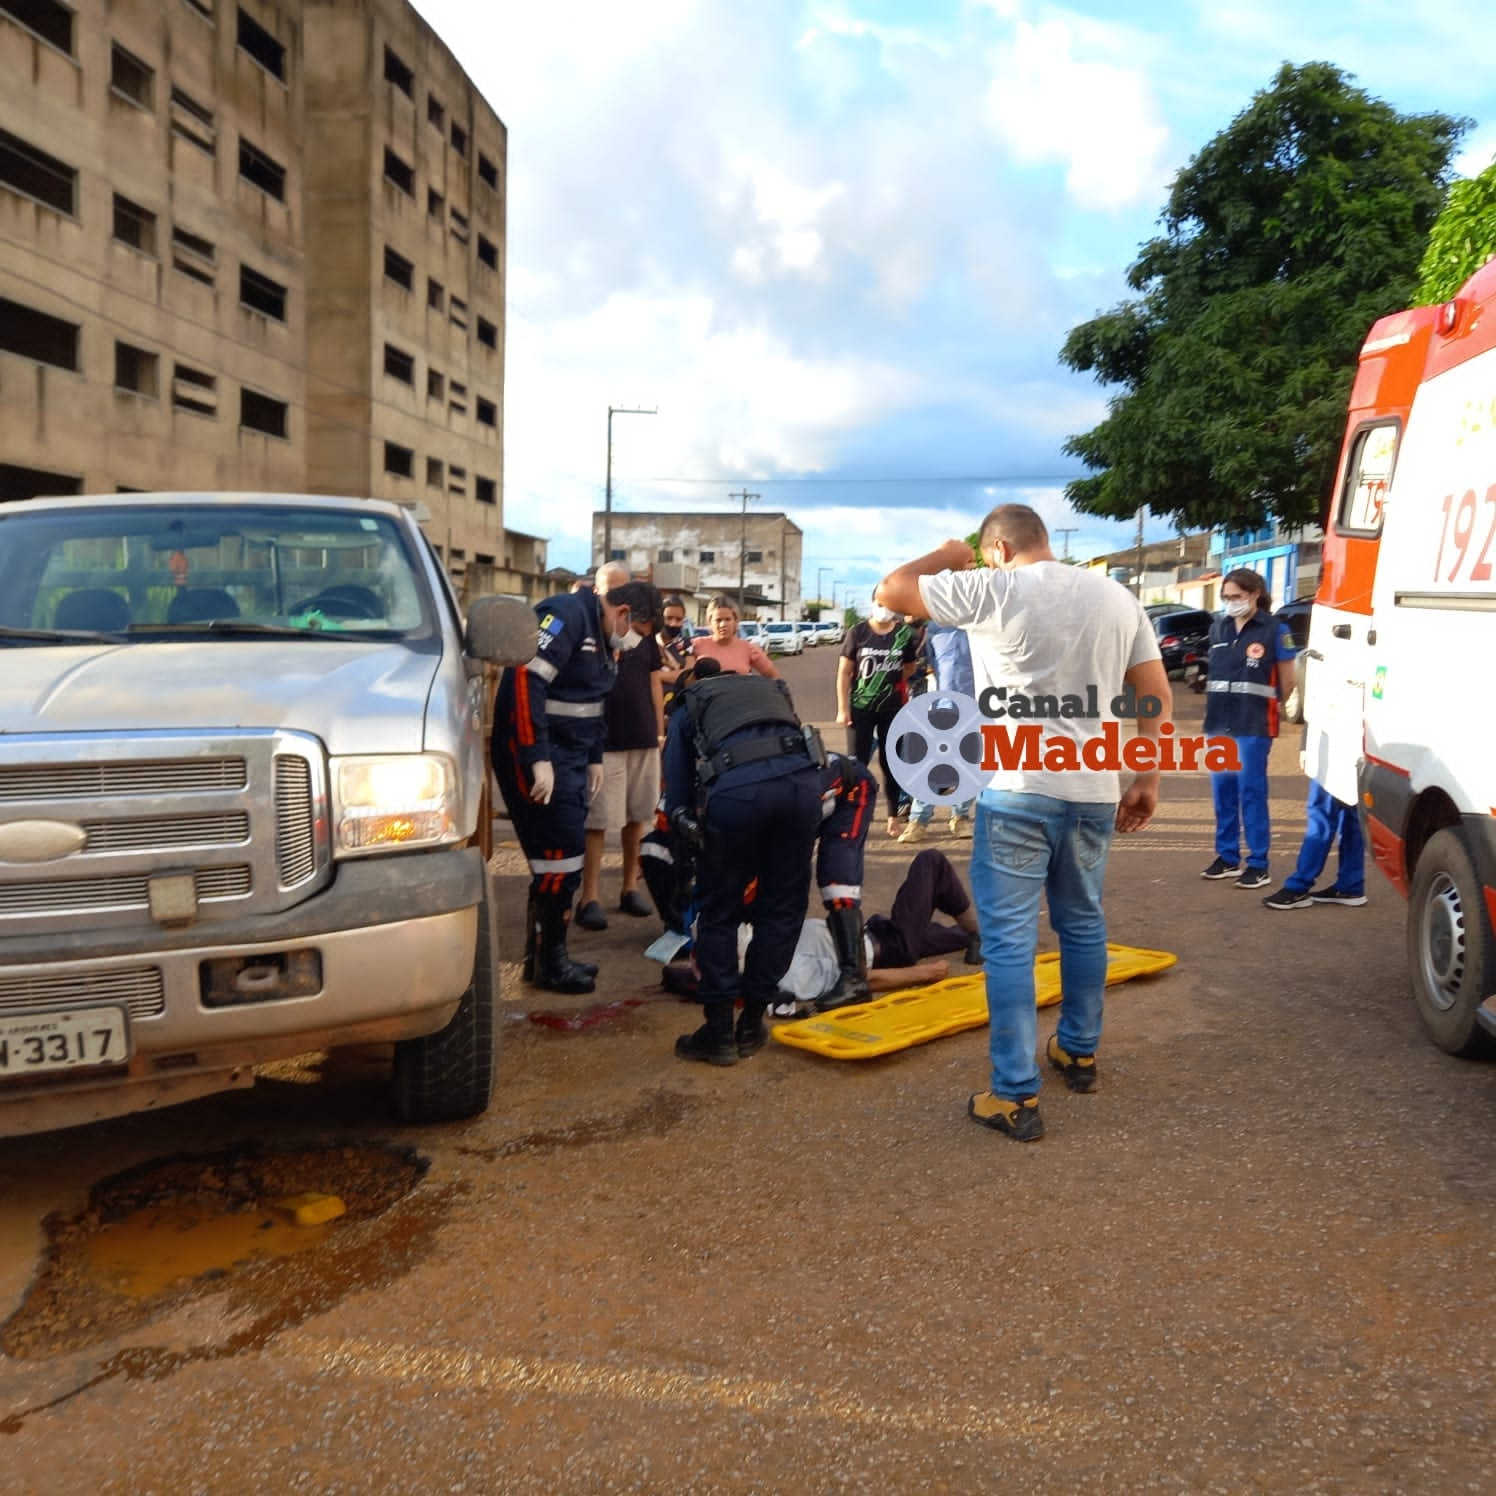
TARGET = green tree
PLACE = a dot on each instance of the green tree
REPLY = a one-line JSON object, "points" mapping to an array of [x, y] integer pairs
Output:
{"points": [[1462, 240], [1283, 240]]}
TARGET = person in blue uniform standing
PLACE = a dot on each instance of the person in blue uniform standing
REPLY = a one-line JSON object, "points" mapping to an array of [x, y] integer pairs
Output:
{"points": [[548, 759], [742, 778], [1251, 668]]}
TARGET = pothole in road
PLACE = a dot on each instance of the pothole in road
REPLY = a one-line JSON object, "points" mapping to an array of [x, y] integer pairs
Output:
{"points": [[284, 1232]]}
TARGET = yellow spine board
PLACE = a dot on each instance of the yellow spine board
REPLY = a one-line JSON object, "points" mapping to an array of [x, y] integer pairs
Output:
{"points": [[900, 1020]]}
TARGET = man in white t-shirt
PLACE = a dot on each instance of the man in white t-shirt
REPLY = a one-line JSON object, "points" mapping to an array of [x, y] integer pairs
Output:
{"points": [[1040, 628]]}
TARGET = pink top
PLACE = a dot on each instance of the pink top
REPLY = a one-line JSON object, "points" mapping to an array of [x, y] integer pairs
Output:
{"points": [[737, 655]]}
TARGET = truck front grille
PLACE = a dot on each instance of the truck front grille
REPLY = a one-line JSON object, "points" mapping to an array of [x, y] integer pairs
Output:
{"points": [[89, 781], [146, 833], [139, 989], [295, 821], [106, 895]]}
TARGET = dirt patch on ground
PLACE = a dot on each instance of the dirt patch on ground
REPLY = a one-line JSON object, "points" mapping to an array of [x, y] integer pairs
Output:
{"points": [[157, 1236]]}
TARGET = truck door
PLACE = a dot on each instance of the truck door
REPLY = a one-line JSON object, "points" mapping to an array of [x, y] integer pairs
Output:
{"points": [[1337, 664]]}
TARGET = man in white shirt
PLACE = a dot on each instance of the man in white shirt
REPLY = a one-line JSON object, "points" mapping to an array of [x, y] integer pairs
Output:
{"points": [[1041, 628]]}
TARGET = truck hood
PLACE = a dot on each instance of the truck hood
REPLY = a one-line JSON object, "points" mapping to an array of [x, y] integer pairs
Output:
{"points": [[356, 697]]}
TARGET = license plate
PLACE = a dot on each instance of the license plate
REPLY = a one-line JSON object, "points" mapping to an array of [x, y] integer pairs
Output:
{"points": [[32, 1043]]}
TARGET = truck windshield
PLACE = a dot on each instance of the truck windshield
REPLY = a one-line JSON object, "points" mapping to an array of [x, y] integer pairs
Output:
{"points": [[227, 571]]}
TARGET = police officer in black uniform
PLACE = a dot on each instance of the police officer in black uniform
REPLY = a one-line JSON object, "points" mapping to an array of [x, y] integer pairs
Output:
{"points": [[849, 800], [548, 759], [739, 766]]}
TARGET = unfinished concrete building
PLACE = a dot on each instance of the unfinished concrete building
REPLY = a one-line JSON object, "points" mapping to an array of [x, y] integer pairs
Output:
{"points": [[255, 245]]}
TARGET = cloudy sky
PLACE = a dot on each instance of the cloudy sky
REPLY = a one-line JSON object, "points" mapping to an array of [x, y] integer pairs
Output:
{"points": [[838, 243]]}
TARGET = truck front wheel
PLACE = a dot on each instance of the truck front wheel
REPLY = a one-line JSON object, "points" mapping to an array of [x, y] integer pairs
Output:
{"points": [[449, 1075], [1450, 951]]}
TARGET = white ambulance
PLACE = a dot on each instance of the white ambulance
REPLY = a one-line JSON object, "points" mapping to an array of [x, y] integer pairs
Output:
{"points": [[1401, 684]]}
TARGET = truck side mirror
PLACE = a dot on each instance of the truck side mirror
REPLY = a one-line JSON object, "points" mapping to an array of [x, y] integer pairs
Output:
{"points": [[501, 630]]}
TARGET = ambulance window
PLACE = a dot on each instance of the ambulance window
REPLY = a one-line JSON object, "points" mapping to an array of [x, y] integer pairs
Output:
{"points": [[1367, 477]]}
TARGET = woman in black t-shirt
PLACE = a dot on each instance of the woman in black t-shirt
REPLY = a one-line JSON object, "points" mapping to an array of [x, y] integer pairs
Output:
{"points": [[877, 657]]}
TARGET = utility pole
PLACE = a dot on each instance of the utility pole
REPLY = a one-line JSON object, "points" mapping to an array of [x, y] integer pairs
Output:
{"points": [[1067, 532], [743, 547], [1139, 585], [614, 410], [821, 596]]}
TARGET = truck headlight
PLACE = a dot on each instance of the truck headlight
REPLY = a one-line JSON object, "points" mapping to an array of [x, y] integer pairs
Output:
{"points": [[394, 801]]}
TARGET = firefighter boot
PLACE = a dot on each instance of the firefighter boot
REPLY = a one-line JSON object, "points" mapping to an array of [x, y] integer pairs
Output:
{"points": [[532, 941], [845, 926], [555, 971]]}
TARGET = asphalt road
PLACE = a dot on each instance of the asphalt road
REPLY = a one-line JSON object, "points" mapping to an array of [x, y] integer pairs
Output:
{"points": [[1258, 1259]]}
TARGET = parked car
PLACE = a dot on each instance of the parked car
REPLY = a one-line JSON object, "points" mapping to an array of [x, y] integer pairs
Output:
{"points": [[245, 803], [830, 631], [808, 631], [783, 638], [1296, 616], [1179, 631], [751, 630]]}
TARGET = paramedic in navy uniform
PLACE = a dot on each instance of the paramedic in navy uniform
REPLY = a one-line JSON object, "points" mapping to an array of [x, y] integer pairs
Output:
{"points": [[548, 759], [736, 739], [1251, 669]]}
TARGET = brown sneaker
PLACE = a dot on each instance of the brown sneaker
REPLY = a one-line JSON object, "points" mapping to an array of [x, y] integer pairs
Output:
{"points": [[1079, 1070], [1019, 1119]]}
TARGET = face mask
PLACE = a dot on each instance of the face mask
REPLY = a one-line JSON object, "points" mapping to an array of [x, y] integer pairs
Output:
{"points": [[1238, 607], [880, 614], [629, 640]]}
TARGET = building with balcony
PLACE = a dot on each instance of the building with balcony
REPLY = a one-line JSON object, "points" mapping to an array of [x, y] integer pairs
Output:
{"points": [[254, 245], [700, 555]]}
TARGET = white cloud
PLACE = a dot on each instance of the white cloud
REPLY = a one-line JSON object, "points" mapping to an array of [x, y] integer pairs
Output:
{"points": [[1051, 102]]}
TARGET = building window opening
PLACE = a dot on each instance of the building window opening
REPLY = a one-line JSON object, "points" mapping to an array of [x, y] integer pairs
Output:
{"points": [[436, 114], [459, 139], [488, 252], [399, 172], [44, 18], [433, 472], [398, 269], [193, 256], [436, 385], [194, 390], [488, 334], [191, 122], [261, 413], [397, 72], [261, 294], [34, 483], [436, 204], [265, 172], [436, 295], [37, 175], [135, 370], [487, 412], [488, 173], [486, 491], [134, 225], [399, 462], [261, 45], [131, 78], [399, 365], [35, 335]]}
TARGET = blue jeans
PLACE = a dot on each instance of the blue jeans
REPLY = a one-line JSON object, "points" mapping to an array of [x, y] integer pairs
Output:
{"points": [[922, 812], [1025, 845], [1330, 820], [1241, 804]]}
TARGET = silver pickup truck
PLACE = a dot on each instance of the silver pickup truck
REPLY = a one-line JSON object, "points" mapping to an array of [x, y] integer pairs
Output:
{"points": [[241, 771]]}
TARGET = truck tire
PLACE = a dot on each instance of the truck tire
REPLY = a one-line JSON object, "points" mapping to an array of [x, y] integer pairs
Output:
{"points": [[1451, 958], [449, 1075]]}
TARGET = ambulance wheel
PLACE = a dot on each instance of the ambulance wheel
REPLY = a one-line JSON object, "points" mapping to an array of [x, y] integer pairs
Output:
{"points": [[448, 1075], [1450, 951]]}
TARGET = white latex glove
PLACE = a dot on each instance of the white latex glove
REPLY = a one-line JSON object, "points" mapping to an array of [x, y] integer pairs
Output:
{"points": [[594, 781], [544, 776]]}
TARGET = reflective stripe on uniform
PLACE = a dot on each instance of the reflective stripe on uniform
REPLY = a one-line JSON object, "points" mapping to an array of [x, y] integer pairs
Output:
{"points": [[656, 849], [573, 709], [543, 668], [1243, 688], [841, 891], [555, 864]]}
